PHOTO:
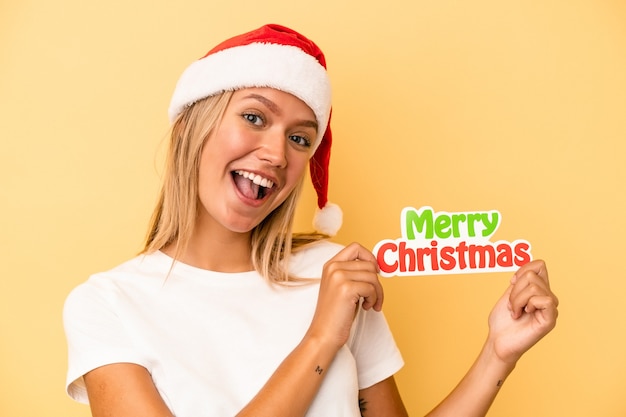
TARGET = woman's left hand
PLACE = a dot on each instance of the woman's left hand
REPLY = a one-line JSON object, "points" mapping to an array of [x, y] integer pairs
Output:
{"points": [[524, 314]]}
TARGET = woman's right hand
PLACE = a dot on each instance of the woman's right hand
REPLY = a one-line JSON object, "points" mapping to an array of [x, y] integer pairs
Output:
{"points": [[347, 278]]}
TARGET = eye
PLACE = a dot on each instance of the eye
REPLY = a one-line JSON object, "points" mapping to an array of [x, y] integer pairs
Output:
{"points": [[253, 118], [300, 140]]}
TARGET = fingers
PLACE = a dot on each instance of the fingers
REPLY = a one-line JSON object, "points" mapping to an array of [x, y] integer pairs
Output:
{"points": [[349, 279], [354, 252], [355, 270], [546, 305], [531, 291], [354, 273], [537, 267]]}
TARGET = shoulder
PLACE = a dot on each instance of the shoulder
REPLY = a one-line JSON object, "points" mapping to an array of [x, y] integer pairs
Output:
{"points": [[309, 261], [103, 287]]}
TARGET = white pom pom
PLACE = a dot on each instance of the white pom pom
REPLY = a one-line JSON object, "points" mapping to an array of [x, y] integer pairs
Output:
{"points": [[328, 220]]}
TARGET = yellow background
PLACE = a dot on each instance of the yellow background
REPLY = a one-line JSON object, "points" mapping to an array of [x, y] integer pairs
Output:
{"points": [[517, 106]]}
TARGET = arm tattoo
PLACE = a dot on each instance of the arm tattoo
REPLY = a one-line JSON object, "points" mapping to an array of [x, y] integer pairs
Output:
{"points": [[319, 370], [500, 382], [362, 404]]}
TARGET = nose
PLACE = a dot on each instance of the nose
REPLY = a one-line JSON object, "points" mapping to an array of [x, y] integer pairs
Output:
{"points": [[273, 149]]}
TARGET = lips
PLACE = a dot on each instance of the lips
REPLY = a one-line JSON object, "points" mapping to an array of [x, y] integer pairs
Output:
{"points": [[251, 185]]}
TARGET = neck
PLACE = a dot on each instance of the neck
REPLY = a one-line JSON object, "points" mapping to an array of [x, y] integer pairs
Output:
{"points": [[217, 251]]}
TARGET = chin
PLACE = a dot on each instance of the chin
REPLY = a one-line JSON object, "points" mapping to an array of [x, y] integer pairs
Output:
{"points": [[241, 227]]}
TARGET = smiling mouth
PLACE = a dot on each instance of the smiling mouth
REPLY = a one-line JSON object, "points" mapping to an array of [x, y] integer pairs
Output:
{"points": [[251, 185]]}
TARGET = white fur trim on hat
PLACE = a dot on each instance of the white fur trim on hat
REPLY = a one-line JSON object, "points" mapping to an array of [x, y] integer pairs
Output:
{"points": [[283, 67]]}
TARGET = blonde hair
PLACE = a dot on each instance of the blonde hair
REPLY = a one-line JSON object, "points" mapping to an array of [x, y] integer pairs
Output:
{"points": [[174, 216]]}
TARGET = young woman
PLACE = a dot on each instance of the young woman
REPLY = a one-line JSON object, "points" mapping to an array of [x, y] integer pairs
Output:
{"points": [[226, 312]]}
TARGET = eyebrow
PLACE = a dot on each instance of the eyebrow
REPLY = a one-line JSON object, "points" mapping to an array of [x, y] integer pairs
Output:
{"points": [[267, 102], [277, 111]]}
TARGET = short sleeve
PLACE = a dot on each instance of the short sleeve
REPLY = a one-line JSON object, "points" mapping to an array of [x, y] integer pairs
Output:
{"points": [[95, 335], [375, 351]]}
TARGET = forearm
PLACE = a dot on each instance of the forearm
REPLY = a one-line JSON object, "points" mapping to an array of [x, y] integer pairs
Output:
{"points": [[294, 384], [475, 393]]}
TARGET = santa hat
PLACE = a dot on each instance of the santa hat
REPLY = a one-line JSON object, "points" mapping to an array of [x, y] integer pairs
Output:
{"points": [[277, 57]]}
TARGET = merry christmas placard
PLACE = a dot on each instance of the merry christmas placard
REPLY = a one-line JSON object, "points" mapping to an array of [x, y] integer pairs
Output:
{"points": [[434, 243]]}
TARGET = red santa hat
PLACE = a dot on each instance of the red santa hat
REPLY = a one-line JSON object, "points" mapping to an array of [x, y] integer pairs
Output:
{"points": [[281, 58]]}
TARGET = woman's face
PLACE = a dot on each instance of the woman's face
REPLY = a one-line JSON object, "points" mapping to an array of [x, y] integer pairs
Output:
{"points": [[254, 158]]}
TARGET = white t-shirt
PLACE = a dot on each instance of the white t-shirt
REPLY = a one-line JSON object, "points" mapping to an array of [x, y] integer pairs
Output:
{"points": [[211, 340]]}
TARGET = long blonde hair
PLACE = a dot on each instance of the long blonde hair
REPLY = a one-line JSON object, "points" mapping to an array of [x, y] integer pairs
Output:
{"points": [[174, 216]]}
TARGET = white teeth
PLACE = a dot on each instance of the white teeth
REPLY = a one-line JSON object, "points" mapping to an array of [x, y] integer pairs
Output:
{"points": [[257, 179]]}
